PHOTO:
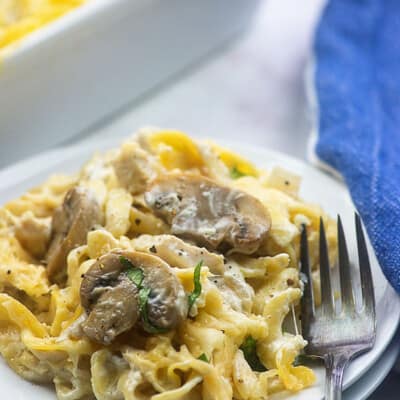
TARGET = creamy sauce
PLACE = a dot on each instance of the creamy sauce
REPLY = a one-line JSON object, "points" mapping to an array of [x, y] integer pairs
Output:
{"points": [[180, 254], [73, 331]]}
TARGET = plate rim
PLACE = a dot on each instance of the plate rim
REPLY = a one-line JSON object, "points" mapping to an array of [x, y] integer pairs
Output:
{"points": [[12, 175], [389, 292]]}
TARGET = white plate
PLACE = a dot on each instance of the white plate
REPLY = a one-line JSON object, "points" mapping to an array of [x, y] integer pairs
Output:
{"points": [[370, 381], [317, 187]]}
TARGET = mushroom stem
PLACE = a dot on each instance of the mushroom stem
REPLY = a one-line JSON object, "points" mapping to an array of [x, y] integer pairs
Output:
{"points": [[71, 222]]}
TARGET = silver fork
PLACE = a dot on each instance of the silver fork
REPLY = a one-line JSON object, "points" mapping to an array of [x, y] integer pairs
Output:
{"points": [[337, 336]]}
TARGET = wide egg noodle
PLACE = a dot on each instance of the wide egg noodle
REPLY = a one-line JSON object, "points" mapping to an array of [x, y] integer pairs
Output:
{"points": [[242, 295]]}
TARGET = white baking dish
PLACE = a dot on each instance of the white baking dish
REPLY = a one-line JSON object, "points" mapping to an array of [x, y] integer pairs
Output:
{"points": [[91, 62]]}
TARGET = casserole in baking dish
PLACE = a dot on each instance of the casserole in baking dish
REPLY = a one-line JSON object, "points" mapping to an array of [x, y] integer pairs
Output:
{"points": [[18, 18], [95, 59]]}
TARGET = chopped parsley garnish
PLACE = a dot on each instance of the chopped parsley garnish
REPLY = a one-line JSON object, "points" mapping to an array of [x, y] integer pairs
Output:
{"points": [[203, 357], [235, 173], [136, 275], [197, 285], [249, 348], [144, 294], [126, 262]]}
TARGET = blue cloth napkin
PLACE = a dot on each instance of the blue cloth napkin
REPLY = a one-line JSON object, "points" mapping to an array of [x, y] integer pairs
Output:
{"points": [[357, 80]]}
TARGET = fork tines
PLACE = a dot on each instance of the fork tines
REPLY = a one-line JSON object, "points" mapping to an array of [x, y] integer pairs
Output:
{"points": [[337, 337], [346, 289]]}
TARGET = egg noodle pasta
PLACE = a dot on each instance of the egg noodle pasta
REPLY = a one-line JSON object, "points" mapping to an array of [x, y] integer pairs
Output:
{"points": [[165, 269]]}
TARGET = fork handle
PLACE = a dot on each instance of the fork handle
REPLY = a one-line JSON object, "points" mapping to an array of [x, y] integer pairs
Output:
{"points": [[335, 365]]}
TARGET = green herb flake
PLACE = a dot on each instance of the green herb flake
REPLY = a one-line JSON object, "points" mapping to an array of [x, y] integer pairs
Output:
{"points": [[235, 173], [144, 294], [126, 262], [135, 275], [203, 357], [249, 348], [197, 285]]}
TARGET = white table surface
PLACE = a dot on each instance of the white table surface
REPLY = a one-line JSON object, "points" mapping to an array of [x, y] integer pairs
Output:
{"points": [[251, 90]]}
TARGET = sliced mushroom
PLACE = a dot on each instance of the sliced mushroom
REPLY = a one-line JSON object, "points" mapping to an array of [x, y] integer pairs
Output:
{"points": [[211, 215], [112, 299], [71, 222]]}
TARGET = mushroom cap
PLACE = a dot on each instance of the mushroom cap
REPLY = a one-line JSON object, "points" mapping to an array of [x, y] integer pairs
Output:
{"points": [[111, 298], [116, 311], [71, 222], [211, 215]]}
